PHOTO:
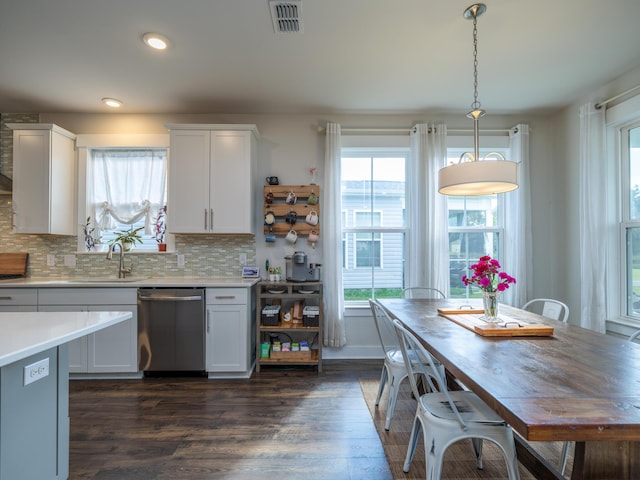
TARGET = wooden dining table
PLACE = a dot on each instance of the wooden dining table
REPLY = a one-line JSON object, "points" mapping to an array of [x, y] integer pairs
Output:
{"points": [[574, 385]]}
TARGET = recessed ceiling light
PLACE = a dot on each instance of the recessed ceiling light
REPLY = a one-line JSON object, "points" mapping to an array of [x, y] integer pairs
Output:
{"points": [[155, 40], [112, 102]]}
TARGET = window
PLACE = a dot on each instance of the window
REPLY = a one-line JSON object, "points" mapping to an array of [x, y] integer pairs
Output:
{"points": [[373, 222], [125, 189], [367, 247], [476, 227], [630, 157]]}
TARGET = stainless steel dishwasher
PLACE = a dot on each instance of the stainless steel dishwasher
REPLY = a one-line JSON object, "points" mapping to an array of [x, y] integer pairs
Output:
{"points": [[171, 330]]}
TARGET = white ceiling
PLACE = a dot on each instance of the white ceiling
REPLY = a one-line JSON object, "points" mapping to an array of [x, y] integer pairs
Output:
{"points": [[354, 56]]}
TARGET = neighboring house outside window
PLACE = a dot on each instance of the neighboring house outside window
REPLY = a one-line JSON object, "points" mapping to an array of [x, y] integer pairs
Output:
{"points": [[373, 223]]}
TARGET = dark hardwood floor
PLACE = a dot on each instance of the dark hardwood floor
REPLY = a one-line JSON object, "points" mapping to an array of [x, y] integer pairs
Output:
{"points": [[281, 424]]}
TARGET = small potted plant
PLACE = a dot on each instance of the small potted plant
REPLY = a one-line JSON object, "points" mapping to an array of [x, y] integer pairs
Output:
{"points": [[161, 228], [128, 238]]}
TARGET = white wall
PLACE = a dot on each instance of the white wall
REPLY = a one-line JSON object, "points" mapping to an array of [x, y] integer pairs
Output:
{"points": [[563, 274], [291, 144]]}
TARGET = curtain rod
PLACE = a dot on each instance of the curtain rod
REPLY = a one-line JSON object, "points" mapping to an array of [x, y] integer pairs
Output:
{"points": [[604, 103], [408, 129]]}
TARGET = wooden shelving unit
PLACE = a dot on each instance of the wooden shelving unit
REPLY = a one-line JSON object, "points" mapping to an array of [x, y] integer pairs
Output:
{"points": [[286, 294]]}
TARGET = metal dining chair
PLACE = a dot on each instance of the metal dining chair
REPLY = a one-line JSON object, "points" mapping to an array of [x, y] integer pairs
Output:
{"points": [[446, 417], [556, 310], [548, 307], [394, 370], [422, 292]]}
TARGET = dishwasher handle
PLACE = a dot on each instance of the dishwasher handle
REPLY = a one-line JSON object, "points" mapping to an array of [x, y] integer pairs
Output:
{"points": [[159, 297]]}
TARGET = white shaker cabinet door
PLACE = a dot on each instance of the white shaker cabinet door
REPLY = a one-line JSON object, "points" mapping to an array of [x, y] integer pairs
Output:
{"points": [[227, 335], [231, 190], [114, 349], [188, 181]]}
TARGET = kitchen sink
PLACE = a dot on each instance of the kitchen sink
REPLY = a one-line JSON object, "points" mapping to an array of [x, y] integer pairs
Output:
{"points": [[108, 280]]}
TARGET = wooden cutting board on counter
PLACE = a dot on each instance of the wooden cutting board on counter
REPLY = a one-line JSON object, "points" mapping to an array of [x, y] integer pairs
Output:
{"points": [[509, 327], [13, 265]]}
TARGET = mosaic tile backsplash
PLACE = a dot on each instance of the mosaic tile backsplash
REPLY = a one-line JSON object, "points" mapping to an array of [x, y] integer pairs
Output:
{"points": [[205, 255]]}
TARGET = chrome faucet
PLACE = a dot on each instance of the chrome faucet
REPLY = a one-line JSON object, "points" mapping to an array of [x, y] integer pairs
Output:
{"points": [[122, 272]]}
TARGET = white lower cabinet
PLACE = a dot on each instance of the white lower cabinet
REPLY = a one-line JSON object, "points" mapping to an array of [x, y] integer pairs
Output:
{"points": [[229, 337], [112, 350]]}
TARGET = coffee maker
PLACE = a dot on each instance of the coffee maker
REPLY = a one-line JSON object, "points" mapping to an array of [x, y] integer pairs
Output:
{"points": [[297, 269]]}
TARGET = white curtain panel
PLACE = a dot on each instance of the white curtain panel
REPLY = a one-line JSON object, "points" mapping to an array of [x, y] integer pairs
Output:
{"points": [[427, 259], [334, 327], [518, 256], [127, 186], [593, 214]]}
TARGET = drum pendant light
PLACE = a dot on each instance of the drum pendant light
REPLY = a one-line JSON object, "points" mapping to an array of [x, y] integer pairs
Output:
{"points": [[471, 175]]}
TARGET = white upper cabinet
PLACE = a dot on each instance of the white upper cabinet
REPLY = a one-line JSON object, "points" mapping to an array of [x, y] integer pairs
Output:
{"points": [[211, 178], [44, 177]]}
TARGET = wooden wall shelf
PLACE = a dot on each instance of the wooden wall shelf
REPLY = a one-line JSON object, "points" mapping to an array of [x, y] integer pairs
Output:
{"points": [[280, 208]]}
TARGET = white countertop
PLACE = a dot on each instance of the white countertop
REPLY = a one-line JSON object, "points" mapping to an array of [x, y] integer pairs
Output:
{"points": [[132, 281], [28, 333]]}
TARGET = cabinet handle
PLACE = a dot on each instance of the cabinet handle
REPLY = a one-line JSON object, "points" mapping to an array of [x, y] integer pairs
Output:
{"points": [[211, 219], [225, 297], [205, 219], [208, 315], [6, 298]]}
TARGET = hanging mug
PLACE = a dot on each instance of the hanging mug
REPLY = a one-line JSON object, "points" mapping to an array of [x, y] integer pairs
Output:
{"points": [[313, 237], [268, 198], [269, 218], [291, 218], [312, 218], [292, 236], [313, 199], [270, 237], [291, 198]]}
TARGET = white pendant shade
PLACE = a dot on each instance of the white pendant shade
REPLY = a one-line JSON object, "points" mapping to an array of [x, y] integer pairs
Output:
{"points": [[484, 177]]}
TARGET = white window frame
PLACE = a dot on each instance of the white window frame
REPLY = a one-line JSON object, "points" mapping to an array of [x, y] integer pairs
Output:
{"points": [[84, 144], [626, 223], [376, 144]]}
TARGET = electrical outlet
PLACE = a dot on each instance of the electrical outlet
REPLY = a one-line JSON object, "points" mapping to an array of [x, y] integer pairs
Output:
{"points": [[70, 260], [243, 259], [51, 260], [181, 261], [36, 371]]}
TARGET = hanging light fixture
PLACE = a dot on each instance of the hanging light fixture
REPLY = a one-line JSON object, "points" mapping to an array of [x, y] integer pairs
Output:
{"points": [[472, 176]]}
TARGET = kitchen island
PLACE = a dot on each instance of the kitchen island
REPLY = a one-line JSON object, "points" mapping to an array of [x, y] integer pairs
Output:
{"points": [[34, 381]]}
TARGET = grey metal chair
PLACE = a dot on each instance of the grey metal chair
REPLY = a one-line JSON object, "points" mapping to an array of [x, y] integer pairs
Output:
{"points": [[394, 370], [548, 307], [446, 417], [556, 310], [422, 292]]}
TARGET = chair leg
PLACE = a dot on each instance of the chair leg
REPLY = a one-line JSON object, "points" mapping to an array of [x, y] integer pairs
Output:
{"points": [[383, 380], [564, 457], [477, 449], [394, 387], [413, 443]]}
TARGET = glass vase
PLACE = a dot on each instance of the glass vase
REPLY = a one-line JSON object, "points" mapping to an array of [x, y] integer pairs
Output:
{"points": [[490, 304]]}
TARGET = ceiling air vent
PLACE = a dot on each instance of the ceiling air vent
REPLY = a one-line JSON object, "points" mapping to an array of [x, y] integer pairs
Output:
{"points": [[285, 16]]}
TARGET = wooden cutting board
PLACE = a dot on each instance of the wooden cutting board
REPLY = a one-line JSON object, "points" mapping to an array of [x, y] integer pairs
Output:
{"points": [[509, 328], [13, 264]]}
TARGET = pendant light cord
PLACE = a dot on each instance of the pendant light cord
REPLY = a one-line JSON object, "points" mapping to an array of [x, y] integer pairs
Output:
{"points": [[476, 104]]}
